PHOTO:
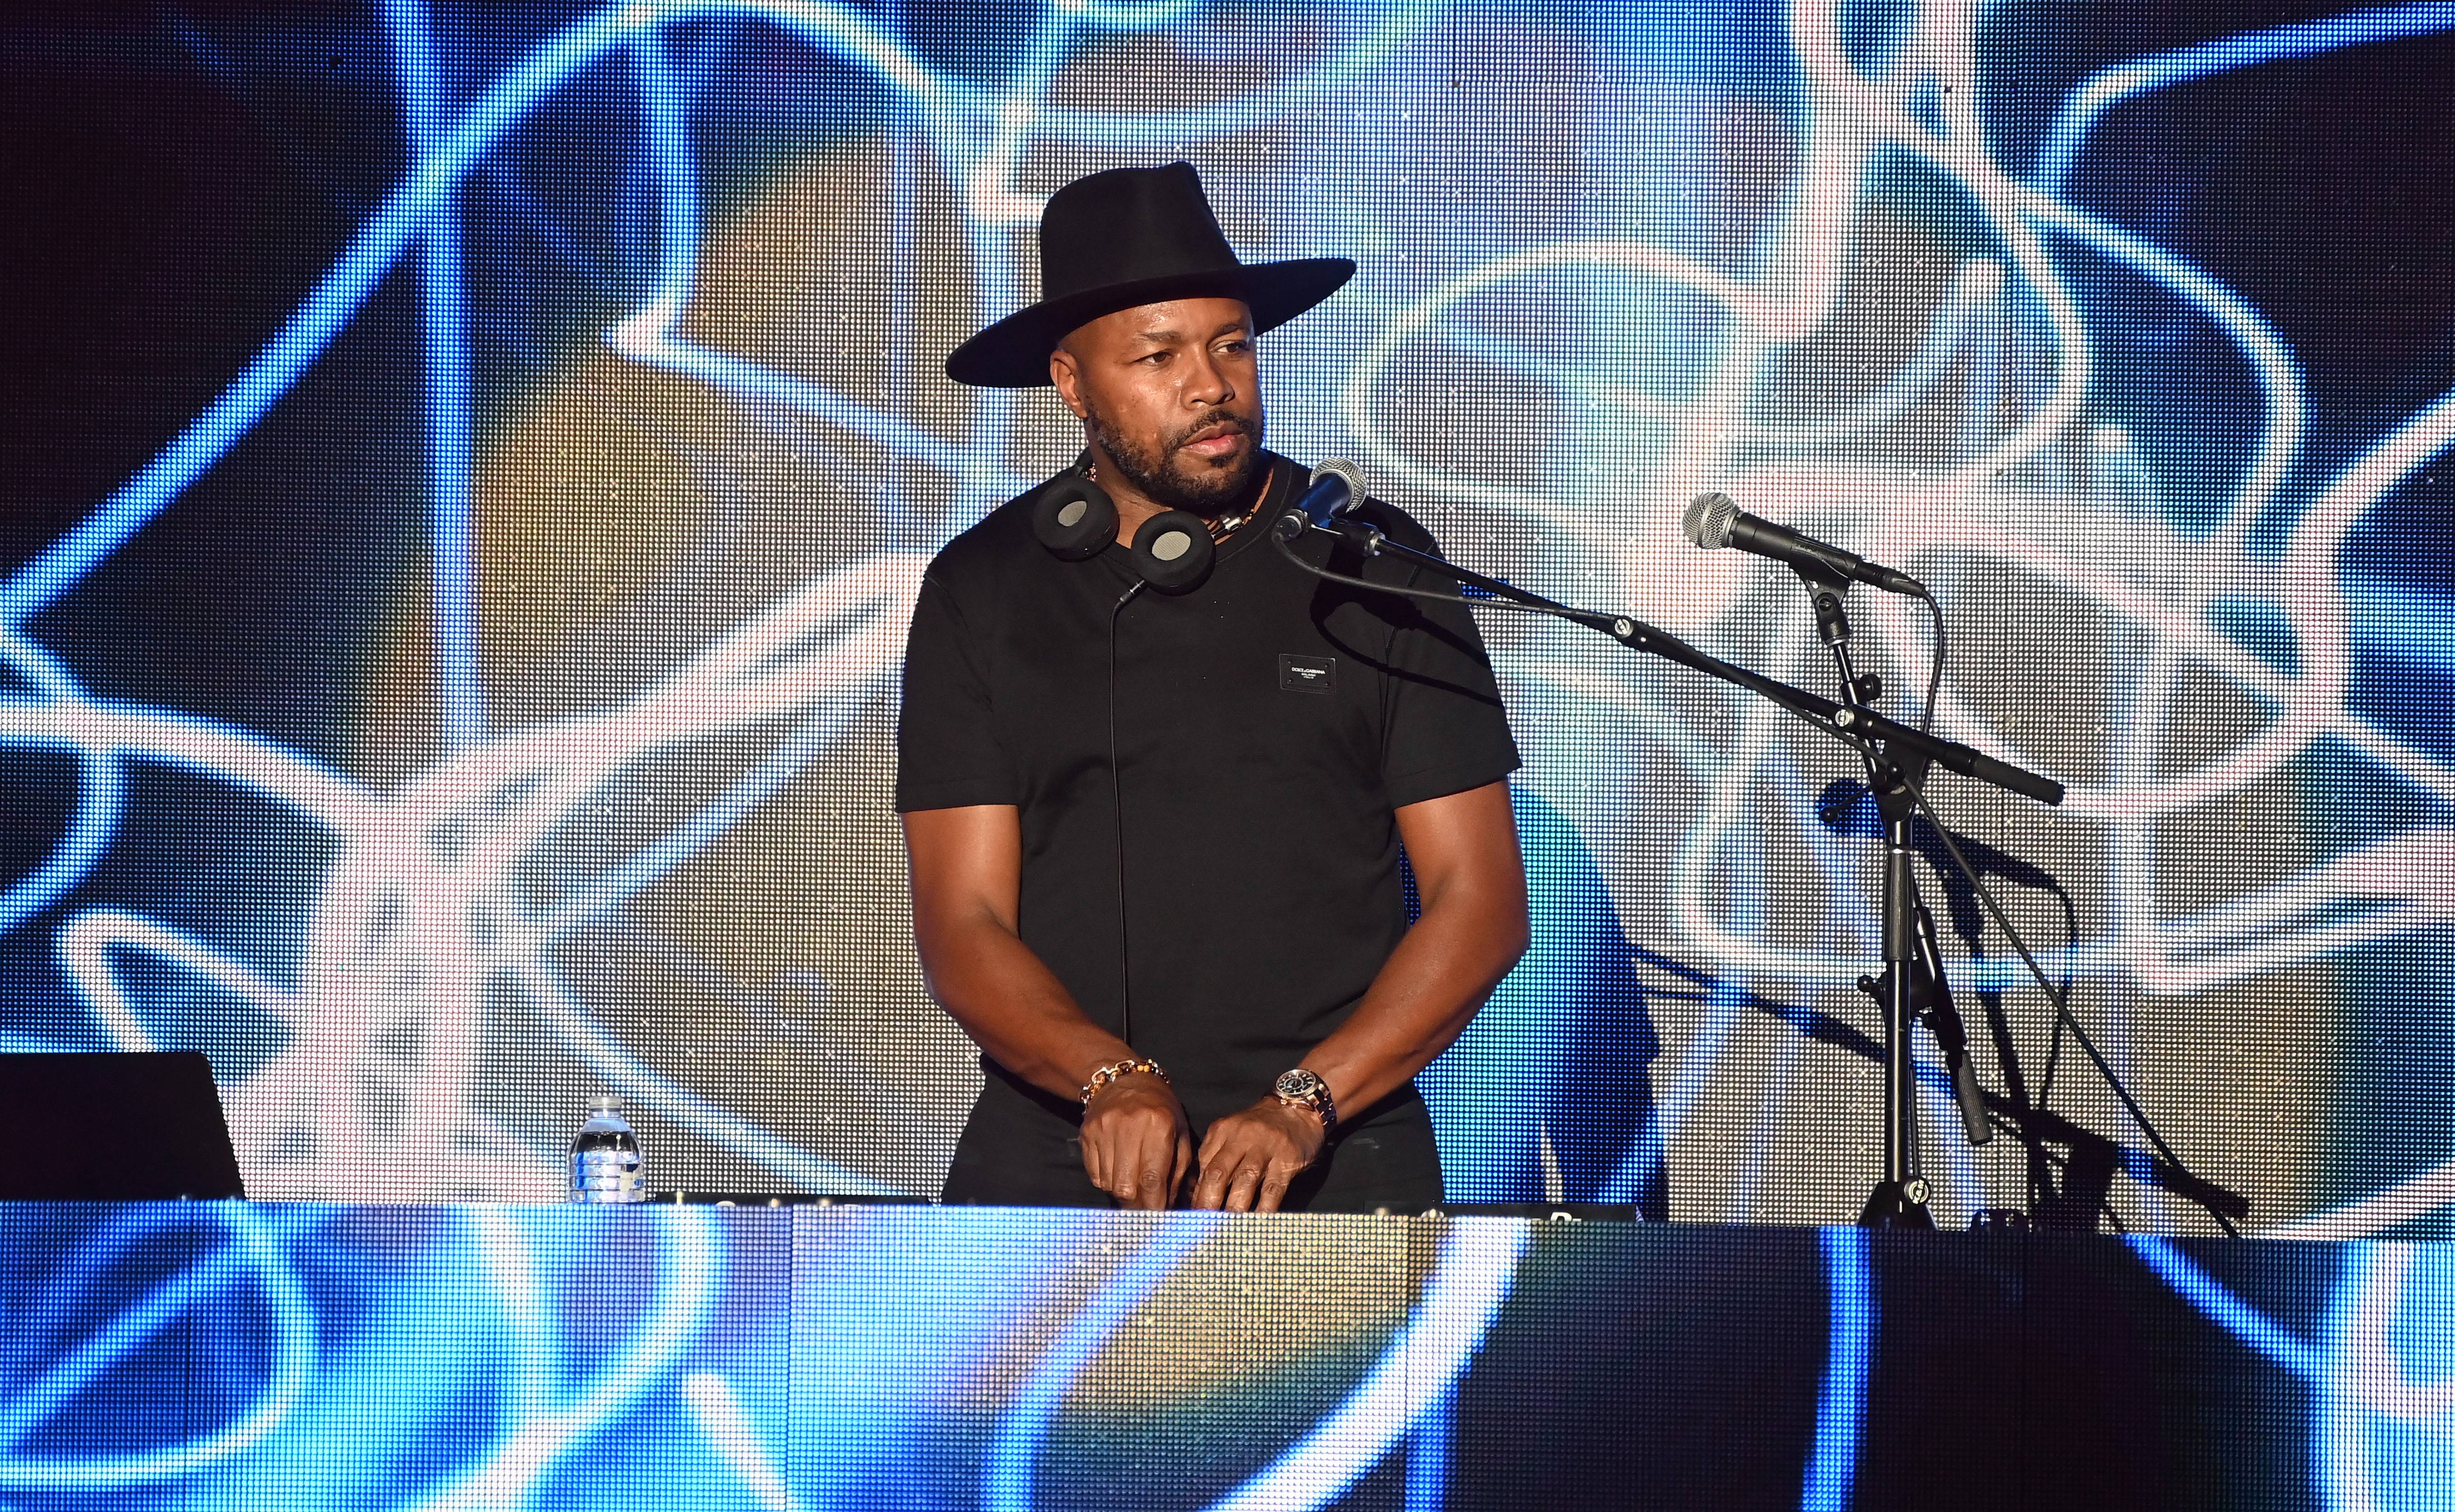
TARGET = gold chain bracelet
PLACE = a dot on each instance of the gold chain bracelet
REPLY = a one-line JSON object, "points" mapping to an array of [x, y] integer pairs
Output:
{"points": [[1119, 1068]]}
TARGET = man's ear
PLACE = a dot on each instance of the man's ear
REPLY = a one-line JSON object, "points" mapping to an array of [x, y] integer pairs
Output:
{"points": [[1067, 378]]}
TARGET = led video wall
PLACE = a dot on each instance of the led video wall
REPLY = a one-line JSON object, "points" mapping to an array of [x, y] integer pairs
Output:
{"points": [[207, 1356], [469, 466]]}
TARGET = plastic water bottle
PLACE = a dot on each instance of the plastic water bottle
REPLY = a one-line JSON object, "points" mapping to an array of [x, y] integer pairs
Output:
{"points": [[606, 1165]]}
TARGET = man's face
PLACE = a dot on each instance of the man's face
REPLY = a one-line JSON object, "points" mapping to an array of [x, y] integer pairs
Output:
{"points": [[1168, 394]]}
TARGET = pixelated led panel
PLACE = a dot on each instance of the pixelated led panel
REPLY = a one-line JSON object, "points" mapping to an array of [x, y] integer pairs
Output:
{"points": [[106, 1323], [1774, 1368], [214, 1356], [1688, 1362], [1050, 1359], [480, 459], [221, 1355]]}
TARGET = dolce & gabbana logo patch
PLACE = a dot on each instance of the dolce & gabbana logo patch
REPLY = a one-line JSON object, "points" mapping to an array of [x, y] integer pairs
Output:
{"points": [[1307, 673]]}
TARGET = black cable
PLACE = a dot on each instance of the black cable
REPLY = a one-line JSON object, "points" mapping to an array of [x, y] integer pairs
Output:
{"points": [[2053, 1058], [1935, 663], [1116, 796], [1652, 640], [1434, 595], [2055, 1038], [2059, 997]]}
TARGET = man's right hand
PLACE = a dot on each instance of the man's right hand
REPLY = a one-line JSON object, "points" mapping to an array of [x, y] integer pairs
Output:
{"points": [[1136, 1142]]}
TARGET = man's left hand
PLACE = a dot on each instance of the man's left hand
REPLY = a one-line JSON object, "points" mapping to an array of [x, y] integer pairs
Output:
{"points": [[1249, 1158]]}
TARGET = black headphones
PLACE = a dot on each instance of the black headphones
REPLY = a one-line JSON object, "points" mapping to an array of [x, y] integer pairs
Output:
{"points": [[1075, 520]]}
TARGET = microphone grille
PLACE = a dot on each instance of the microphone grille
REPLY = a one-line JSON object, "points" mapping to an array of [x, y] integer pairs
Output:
{"points": [[1708, 519], [1347, 472]]}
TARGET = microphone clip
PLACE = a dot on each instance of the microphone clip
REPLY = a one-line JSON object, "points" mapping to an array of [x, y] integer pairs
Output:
{"points": [[1365, 538]]}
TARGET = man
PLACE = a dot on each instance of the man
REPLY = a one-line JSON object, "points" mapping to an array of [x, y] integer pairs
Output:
{"points": [[1154, 833]]}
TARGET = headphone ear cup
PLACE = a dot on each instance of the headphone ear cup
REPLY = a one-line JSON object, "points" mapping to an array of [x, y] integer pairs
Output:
{"points": [[1173, 549], [1074, 518]]}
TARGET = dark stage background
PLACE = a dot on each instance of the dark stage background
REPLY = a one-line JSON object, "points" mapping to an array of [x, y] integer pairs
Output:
{"points": [[467, 468]]}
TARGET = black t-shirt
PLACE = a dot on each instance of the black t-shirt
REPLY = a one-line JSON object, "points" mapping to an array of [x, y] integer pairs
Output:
{"points": [[1266, 725]]}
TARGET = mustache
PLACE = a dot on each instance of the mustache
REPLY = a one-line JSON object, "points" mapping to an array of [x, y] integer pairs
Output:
{"points": [[1216, 425]]}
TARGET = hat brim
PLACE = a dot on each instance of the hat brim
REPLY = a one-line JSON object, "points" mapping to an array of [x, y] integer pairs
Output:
{"points": [[1013, 353]]}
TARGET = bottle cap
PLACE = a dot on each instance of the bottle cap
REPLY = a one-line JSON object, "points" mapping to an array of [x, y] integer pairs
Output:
{"points": [[604, 1102]]}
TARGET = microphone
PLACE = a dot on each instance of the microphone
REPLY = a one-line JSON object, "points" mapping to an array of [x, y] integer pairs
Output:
{"points": [[1713, 521], [1335, 490]]}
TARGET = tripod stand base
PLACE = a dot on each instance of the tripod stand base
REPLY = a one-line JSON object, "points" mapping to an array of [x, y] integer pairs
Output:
{"points": [[1888, 1206]]}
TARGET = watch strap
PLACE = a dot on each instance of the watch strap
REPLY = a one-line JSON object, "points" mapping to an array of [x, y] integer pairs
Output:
{"points": [[1304, 1089]]}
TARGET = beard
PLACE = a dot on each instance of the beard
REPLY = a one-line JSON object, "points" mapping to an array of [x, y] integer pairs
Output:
{"points": [[1174, 482]]}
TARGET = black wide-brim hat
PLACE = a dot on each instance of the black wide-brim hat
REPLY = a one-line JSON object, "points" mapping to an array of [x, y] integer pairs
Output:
{"points": [[1131, 237]]}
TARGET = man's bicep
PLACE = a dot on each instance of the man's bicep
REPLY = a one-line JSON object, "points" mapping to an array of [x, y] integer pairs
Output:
{"points": [[1468, 837], [1448, 732], [966, 862]]}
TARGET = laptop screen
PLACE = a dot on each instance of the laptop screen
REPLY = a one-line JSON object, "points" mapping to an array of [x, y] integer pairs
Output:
{"points": [[114, 1128]]}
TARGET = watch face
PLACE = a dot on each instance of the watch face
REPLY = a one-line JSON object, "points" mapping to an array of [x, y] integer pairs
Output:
{"points": [[1298, 1084]]}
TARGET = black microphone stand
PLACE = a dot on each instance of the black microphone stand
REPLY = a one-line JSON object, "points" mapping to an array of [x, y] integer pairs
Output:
{"points": [[1913, 985], [1897, 757], [1899, 754]]}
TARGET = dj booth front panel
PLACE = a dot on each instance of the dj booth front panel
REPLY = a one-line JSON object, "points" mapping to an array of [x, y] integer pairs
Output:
{"points": [[213, 1355]]}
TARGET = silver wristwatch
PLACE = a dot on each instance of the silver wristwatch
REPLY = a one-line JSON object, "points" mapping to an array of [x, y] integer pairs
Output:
{"points": [[1302, 1089]]}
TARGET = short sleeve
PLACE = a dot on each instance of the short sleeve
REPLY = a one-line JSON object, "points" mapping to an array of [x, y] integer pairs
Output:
{"points": [[947, 750], [1448, 731]]}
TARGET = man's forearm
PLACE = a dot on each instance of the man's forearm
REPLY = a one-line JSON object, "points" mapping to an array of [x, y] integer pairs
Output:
{"points": [[1424, 996], [1013, 1006]]}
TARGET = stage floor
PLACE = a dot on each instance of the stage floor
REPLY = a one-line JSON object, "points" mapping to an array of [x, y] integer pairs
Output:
{"points": [[207, 1355]]}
